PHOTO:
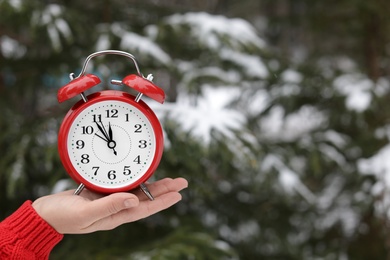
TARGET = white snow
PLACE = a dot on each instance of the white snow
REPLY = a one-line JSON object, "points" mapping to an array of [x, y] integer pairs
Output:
{"points": [[378, 165], [103, 42], [337, 139], [258, 102], [292, 76], [279, 126], [245, 231], [343, 214], [55, 24], [288, 179], [16, 4], [356, 88], [209, 112], [133, 42], [208, 29], [252, 65], [11, 48], [193, 74], [333, 154]]}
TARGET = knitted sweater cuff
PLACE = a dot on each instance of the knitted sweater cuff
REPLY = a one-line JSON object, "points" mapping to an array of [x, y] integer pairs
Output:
{"points": [[30, 232]]}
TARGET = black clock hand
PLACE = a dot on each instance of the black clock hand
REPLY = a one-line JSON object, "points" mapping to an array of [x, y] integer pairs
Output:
{"points": [[103, 138], [110, 132], [111, 143], [103, 131], [107, 137]]}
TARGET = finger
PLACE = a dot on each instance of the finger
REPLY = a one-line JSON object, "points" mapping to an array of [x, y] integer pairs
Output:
{"points": [[145, 209], [163, 186], [106, 206]]}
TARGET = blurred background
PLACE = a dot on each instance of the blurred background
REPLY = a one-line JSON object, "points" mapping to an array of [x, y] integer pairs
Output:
{"points": [[277, 113]]}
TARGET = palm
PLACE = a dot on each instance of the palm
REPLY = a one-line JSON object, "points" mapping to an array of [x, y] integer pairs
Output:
{"points": [[90, 211]]}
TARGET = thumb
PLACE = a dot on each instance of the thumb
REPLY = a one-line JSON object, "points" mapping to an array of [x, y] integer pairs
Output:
{"points": [[110, 205]]}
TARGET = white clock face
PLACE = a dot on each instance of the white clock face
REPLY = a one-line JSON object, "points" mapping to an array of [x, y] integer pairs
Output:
{"points": [[111, 144]]}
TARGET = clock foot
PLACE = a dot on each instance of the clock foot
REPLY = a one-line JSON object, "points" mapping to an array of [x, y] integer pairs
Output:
{"points": [[79, 189], [146, 191]]}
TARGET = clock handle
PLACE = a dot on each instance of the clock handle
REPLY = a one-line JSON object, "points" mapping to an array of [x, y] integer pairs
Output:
{"points": [[108, 52]]}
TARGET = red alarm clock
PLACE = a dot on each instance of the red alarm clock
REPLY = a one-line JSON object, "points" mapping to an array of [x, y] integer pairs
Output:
{"points": [[110, 141]]}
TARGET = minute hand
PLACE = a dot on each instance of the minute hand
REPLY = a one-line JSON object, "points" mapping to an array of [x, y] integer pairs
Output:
{"points": [[103, 131]]}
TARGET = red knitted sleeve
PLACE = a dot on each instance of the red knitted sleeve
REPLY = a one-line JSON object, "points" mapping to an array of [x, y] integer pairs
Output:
{"points": [[25, 235]]}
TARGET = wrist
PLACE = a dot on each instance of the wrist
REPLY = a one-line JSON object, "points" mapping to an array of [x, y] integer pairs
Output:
{"points": [[32, 232]]}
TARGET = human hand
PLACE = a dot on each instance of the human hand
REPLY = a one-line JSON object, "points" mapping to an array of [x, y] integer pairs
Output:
{"points": [[90, 212]]}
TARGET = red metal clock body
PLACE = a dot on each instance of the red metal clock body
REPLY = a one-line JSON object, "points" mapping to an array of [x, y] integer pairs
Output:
{"points": [[111, 141]]}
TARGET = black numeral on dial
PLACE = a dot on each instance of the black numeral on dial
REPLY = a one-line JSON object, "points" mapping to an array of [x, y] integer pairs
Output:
{"points": [[142, 144], [85, 158], [113, 113], [111, 175], [80, 144], [138, 128], [126, 170], [87, 130]]}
